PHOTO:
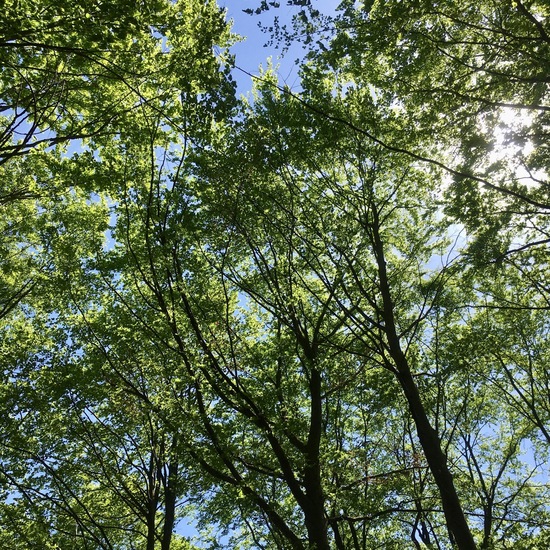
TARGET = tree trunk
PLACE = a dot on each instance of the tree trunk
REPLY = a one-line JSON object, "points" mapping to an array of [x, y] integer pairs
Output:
{"points": [[315, 519], [459, 530], [169, 506], [151, 513]]}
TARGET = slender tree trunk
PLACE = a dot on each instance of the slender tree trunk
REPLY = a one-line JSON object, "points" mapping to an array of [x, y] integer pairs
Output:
{"points": [[457, 525], [151, 513], [315, 519], [313, 501], [437, 462], [152, 503], [336, 530], [169, 506], [313, 505]]}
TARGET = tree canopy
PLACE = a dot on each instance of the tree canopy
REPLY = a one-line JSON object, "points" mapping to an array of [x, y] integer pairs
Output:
{"points": [[306, 318]]}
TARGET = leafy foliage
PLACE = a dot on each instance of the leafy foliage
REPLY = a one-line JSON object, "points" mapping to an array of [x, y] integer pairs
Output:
{"points": [[314, 320]]}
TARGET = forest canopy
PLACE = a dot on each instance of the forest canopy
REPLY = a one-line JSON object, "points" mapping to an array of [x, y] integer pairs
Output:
{"points": [[308, 317]]}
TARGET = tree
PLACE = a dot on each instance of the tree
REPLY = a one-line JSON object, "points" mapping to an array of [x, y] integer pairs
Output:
{"points": [[468, 83], [264, 313], [101, 82], [360, 201], [77, 72]]}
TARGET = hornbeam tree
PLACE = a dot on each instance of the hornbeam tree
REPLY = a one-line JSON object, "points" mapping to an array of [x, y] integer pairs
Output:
{"points": [[312, 319]]}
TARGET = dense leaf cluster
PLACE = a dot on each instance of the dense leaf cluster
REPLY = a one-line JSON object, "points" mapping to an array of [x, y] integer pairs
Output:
{"points": [[313, 319]]}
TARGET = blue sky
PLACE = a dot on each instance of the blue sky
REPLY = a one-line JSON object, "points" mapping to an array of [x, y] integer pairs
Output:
{"points": [[252, 52]]}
